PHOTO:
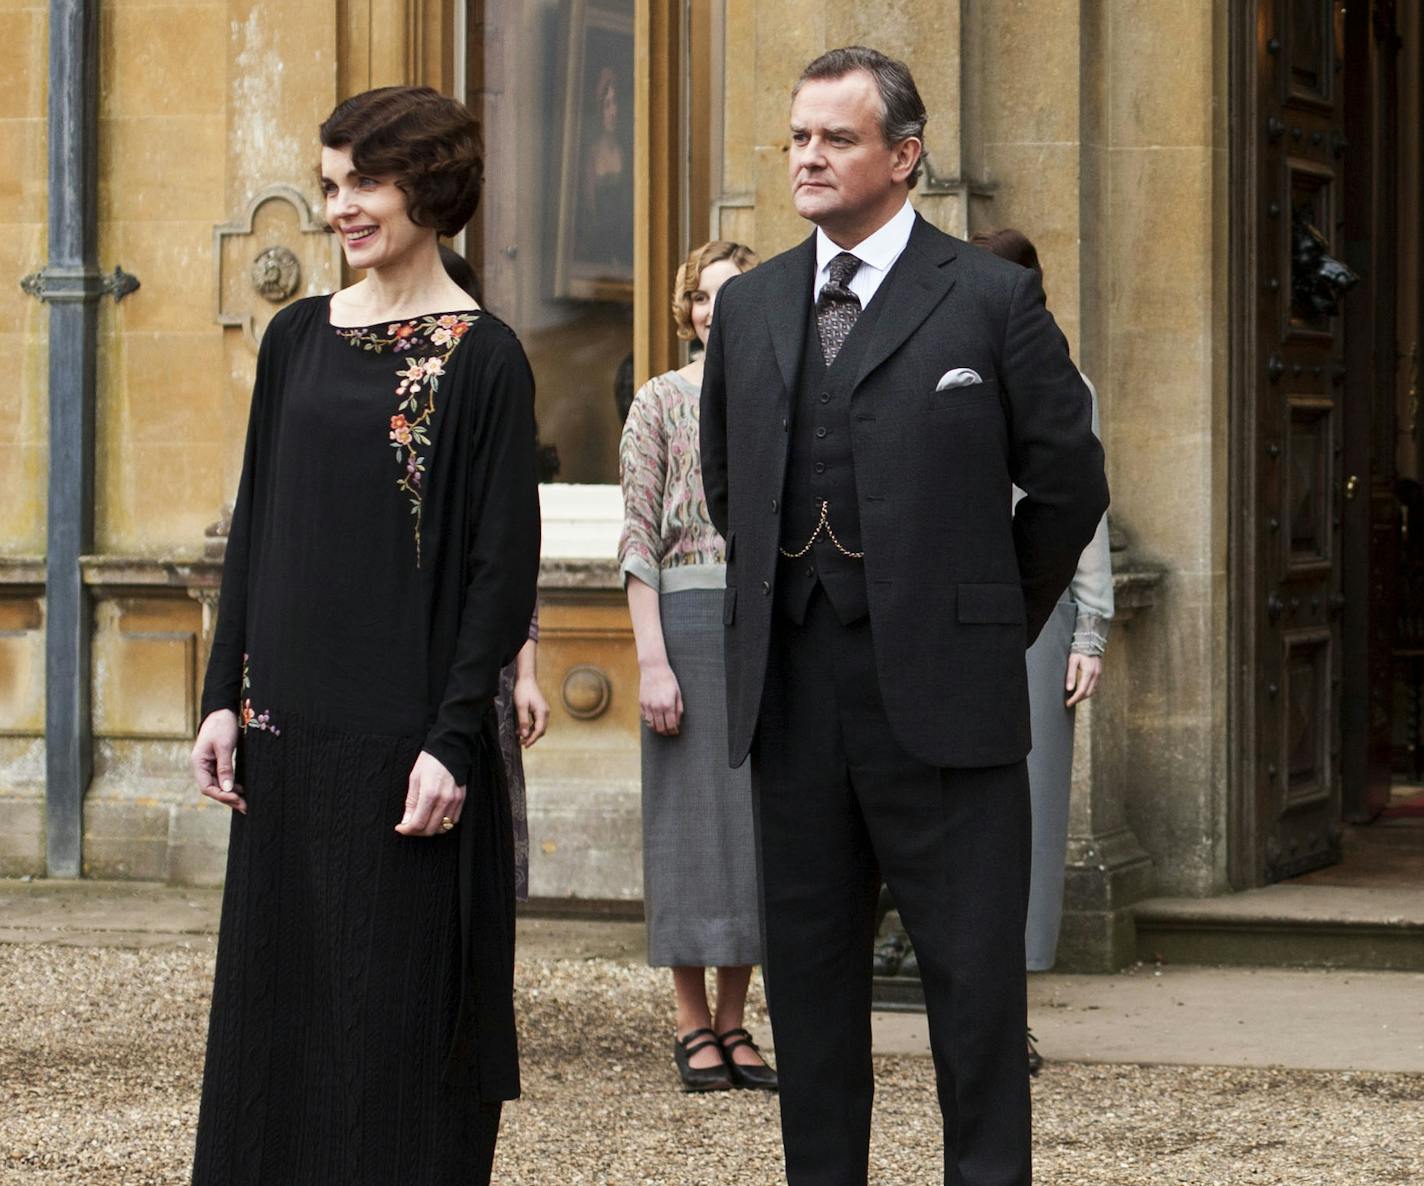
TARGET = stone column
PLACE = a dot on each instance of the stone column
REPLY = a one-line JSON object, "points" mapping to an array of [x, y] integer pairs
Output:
{"points": [[1107, 868]]}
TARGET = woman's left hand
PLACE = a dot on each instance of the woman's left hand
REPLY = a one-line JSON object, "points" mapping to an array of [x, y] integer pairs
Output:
{"points": [[1084, 671], [531, 710], [431, 797]]}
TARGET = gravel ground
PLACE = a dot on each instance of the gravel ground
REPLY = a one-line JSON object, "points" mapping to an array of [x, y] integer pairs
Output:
{"points": [[101, 1049]]}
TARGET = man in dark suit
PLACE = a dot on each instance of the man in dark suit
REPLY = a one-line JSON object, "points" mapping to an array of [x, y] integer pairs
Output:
{"points": [[870, 398]]}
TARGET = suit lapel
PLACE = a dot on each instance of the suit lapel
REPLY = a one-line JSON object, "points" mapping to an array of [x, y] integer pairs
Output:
{"points": [[789, 316], [919, 281]]}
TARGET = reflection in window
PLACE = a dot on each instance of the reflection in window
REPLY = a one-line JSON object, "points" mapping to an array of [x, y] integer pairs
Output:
{"points": [[553, 83]]}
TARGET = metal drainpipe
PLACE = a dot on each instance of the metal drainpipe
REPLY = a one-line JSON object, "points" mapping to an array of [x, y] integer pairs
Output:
{"points": [[72, 285]]}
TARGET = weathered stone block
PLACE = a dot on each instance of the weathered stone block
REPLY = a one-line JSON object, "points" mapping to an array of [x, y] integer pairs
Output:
{"points": [[125, 858], [22, 45], [145, 666], [156, 64], [22, 838], [162, 167], [144, 516], [1162, 63], [197, 864], [22, 182], [174, 261], [22, 662], [586, 841], [126, 840]]}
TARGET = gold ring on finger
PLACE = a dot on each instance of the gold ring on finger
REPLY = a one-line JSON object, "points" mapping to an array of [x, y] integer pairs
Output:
{"points": [[446, 823]]}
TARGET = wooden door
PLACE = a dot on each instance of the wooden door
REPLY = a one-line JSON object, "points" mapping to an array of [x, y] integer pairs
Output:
{"points": [[1291, 153]]}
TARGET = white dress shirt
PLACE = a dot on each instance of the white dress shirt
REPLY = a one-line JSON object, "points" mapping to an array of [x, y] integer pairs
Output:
{"points": [[877, 254]]}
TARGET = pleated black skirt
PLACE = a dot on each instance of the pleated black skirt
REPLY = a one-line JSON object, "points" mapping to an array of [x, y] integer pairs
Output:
{"points": [[339, 979]]}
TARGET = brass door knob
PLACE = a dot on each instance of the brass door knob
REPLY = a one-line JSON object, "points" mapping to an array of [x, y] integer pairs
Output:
{"points": [[1352, 483]]}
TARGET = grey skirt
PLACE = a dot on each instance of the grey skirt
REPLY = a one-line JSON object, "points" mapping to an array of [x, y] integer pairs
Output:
{"points": [[699, 853], [1050, 779]]}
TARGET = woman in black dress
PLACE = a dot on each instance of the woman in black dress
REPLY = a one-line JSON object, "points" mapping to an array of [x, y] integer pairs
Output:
{"points": [[380, 571]]}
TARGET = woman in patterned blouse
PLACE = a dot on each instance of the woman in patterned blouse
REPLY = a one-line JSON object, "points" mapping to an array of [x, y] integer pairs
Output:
{"points": [[699, 856]]}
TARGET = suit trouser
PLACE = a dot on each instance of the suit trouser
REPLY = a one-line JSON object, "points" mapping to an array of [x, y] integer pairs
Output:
{"points": [[839, 805]]}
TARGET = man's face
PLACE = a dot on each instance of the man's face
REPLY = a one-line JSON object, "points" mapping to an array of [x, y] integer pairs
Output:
{"points": [[844, 177]]}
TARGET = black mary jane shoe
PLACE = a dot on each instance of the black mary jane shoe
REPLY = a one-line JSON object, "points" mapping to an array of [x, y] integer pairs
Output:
{"points": [[750, 1076], [1035, 1059], [713, 1078]]}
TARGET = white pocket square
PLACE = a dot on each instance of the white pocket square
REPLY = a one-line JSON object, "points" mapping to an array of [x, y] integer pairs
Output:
{"points": [[959, 377]]}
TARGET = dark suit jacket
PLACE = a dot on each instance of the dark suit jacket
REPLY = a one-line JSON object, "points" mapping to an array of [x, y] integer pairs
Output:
{"points": [[958, 582]]}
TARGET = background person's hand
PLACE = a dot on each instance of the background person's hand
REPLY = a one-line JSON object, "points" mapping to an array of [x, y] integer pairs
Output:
{"points": [[1084, 671], [531, 710], [212, 759], [660, 699], [430, 796]]}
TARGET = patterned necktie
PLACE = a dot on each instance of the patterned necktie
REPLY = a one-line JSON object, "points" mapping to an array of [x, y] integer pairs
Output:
{"points": [[837, 307]]}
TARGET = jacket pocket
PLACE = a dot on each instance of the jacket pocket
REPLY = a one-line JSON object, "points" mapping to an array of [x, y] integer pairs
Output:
{"points": [[976, 399], [729, 607], [999, 603]]}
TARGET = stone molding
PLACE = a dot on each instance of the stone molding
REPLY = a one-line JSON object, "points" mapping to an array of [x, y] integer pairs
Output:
{"points": [[268, 256]]}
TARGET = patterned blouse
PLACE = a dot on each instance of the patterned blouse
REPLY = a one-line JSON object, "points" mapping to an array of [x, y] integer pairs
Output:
{"points": [[668, 541]]}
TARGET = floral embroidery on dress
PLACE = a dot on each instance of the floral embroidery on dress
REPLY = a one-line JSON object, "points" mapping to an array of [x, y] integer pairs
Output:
{"points": [[415, 394], [247, 717]]}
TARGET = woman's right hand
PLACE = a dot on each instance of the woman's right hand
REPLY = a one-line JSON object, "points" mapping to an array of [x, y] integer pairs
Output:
{"points": [[212, 759], [660, 699]]}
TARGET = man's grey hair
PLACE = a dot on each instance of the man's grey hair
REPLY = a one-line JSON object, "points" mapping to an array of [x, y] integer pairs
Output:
{"points": [[902, 112]]}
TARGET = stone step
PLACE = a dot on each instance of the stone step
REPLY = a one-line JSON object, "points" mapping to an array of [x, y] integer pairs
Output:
{"points": [[1288, 925]]}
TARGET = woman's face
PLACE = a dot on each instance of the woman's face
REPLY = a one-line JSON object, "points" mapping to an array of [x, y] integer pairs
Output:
{"points": [[705, 297], [369, 213]]}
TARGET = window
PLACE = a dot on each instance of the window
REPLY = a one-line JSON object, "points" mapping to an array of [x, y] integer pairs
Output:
{"points": [[552, 81]]}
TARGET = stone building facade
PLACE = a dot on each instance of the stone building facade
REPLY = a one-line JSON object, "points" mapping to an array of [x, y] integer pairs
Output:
{"points": [[1127, 137]]}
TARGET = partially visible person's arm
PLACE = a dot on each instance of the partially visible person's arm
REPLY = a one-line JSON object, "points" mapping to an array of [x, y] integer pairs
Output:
{"points": [[642, 474], [659, 695], [531, 710], [1092, 592]]}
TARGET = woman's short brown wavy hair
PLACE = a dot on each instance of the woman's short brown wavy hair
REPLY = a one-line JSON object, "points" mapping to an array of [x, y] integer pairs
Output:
{"points": [[691, 272], [429, 143]]}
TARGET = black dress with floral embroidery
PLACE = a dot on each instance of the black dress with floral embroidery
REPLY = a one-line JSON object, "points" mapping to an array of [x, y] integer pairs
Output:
{"points": [[380, 571]]}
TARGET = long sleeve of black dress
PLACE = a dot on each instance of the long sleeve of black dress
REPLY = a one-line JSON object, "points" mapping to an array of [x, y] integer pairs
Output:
{"points": [[222, 686], [501, 561]]}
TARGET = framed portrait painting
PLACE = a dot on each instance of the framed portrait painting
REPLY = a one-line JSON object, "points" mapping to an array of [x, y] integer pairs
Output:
{"points": [[594, 240]]}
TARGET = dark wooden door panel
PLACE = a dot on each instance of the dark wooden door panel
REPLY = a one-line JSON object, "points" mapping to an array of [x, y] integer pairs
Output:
{"points": [[1293, 389]]}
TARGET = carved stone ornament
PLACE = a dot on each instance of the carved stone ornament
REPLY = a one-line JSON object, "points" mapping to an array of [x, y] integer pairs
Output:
{"points": [[586, 692], [278, 249], [276, 274]]}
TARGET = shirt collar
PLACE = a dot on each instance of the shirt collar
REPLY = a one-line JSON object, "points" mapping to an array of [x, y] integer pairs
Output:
{"points": [[879, 250]]}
